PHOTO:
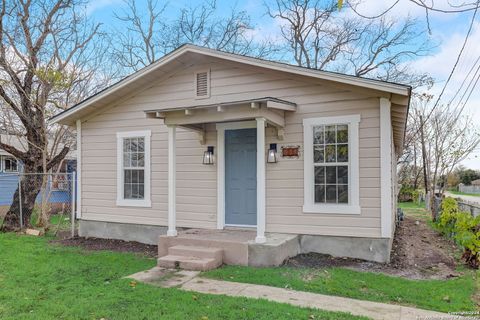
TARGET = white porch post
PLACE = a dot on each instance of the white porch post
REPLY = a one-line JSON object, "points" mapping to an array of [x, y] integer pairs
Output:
{"points": [[260, 180], [172, 231], [79, 169], [220, 177]]}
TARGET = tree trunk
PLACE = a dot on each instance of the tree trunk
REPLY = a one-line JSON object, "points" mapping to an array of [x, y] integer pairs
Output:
{"points": [[31, 185], [415, 170]]}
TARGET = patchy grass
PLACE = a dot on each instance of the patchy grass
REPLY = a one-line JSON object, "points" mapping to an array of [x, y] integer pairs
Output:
{"points": [[60, 222], [451, 295], [415, 210], [43, 281], [411, 205]]}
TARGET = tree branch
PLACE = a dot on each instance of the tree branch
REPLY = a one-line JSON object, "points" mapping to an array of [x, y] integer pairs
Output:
{"points": [[13, 151], [58, 158]]}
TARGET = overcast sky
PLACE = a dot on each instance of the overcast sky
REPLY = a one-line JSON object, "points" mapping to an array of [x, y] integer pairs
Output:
{"points": [[447, 32]]}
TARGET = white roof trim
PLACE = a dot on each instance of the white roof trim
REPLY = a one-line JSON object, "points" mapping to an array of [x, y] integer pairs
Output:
{"points": [[272, 103], [325, 75], [336, 77]]}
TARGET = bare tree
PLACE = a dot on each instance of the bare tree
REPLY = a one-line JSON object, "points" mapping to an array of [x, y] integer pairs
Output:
{"points": [[143, 37], [313, 33], [320, 37], [384, 46], [148, 33], [203, 26], [428, 7], [453, 136], [410, 166], [437, 144], [47, 57]]}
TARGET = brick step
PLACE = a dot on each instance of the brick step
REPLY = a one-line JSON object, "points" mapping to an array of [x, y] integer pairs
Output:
{"points": [[188, 263], [196, 251]]}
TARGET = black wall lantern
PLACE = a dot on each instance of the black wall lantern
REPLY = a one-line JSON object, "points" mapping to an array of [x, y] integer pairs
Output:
{"points": [[272, 153], [208, 156]]}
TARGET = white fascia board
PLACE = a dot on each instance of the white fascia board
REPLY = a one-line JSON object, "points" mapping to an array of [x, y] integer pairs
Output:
{"points": [[119, 85]]}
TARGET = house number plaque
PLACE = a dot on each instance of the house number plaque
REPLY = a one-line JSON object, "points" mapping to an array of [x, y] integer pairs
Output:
{"points": [[290, 152]]}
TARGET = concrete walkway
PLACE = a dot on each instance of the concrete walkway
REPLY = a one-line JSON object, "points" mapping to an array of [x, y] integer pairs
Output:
{"points": [[369, 309], [189, 281]]}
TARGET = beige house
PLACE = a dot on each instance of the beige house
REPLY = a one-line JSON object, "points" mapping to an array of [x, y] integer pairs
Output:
{"points": [[211, 140]]}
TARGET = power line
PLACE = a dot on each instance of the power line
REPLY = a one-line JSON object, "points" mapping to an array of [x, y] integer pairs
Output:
{"points": [[473, 88], [464, 80], [456, 63], [354, 9], [468, 7], [432, 8], [422, 123]]}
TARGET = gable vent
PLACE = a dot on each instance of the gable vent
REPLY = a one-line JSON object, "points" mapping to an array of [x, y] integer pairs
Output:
{"points": [[202, 84]]}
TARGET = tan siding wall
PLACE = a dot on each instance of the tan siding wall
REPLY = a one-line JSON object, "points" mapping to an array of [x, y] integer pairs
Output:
{"points": [[196, 183], [285, 179]]}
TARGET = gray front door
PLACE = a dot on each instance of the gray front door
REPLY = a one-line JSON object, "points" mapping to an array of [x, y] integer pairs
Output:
{"points": [[241, 177]]}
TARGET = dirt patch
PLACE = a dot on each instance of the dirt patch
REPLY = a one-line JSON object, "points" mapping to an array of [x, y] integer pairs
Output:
{"points": [[418, 249], [96, 244], [418, 252], [64, 234]]}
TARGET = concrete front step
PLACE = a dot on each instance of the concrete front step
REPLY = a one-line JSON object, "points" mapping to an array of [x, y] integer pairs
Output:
{"points": [[239, 247], [196, 251], [189, 263], [233, 243]]}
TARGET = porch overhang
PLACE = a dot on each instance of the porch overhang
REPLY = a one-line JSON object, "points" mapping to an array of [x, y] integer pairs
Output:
{"points": [[193, 117]]}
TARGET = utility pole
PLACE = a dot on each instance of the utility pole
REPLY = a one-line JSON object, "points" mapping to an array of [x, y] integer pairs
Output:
{"points": [[415, 168], [424, 159]]}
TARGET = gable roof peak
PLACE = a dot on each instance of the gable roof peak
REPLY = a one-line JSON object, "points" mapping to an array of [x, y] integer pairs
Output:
{"points": [[133, 81]]}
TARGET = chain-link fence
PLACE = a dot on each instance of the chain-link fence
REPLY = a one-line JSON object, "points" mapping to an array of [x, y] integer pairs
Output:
{"points": [[469, 189], [39, 199]]}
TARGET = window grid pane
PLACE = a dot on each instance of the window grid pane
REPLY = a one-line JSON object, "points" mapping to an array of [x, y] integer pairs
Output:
{"points": [[11, 165], [134, 168], [330, 152]]}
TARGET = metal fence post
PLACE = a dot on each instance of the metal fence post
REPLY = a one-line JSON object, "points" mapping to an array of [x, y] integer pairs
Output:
{"points": [[20, 205], [73, 195]]}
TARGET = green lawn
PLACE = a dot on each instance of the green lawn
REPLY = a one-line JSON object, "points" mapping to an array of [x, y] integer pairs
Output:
{"points": [[445, 296], [416, 210], [440, 295], [43, 281], [411, 205]]}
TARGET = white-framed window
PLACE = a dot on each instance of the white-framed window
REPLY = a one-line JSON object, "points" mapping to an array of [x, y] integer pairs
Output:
{"points": [[133, 168], [10, 164], [331, 165]]}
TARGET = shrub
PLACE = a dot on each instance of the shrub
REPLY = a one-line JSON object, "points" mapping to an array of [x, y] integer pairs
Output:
{"points": [[468, 236], [449, 210], [408, 193], [463, 228]]}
